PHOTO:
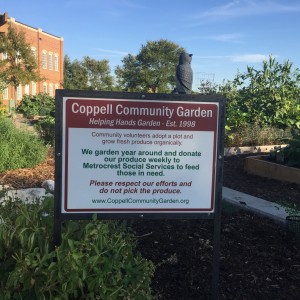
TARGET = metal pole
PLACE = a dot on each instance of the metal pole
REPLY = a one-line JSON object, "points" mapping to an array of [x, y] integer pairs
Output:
{"points": [[57, 232], [216, 257]]}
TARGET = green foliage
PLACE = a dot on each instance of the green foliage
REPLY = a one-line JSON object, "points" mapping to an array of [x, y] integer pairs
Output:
{"points": [[39, 105], [152, 70], [290, 208], [254, 135], [3, 110], [46, 129], [127, 76], [293, 150], [207, 87], [88, 74], [266, 97], [235, 116], [20, 66], [289, 155], [98, 74], [96, 260], [19, 148], [75, 76]]}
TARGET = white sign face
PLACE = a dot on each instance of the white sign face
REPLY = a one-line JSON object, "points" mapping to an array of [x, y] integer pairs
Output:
{"points": [[132, 156]]}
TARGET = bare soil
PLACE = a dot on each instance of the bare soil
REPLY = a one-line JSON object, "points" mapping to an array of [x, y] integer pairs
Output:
{"points": [[259, 259]]}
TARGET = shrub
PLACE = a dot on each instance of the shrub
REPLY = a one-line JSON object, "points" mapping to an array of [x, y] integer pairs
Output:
{"points": [[293, 150], [39, 105], [19, 148], [96, 260], [46, 129], [269, 96], [289, 155], [254, 135], [3, 110]]}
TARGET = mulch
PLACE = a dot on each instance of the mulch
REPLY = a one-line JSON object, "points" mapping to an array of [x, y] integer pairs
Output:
{"points": [[31, 177], [259, 259], [235, 178]]}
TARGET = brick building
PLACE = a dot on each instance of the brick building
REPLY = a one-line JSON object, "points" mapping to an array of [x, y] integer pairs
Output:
{"points": [[48, 50]]}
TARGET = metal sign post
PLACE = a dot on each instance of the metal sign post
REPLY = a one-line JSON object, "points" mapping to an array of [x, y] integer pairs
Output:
{"points": [[132, 155]]}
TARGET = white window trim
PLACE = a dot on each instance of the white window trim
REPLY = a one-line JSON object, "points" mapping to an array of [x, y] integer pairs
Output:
{"points": [[5, 93], [56, 62], [33, 88], [26, 89], [33, 51], [18, 59], [50, 60], [51, 89], [45, 88], [19, 92], [44, 59]]}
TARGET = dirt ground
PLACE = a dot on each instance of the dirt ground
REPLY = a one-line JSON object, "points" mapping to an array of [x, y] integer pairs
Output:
{"points": [[259, 259]]}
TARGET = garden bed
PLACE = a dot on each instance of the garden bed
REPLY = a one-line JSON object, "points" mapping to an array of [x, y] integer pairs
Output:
{"points": [[250, 149], [260, 166]]}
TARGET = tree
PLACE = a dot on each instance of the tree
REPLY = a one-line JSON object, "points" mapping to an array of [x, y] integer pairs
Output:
{"points": [[88, 74], [20, 66], [128, 78], [207, 87], [267, 97], [75, 75], [98, 73], [152, 70]]}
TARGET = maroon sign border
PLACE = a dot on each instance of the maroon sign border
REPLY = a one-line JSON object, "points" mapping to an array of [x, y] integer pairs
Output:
{"points": [[77, 120]]}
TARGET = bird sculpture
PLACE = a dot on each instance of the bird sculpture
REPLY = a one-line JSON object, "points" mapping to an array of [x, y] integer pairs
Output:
{"points": [[184, 74]]}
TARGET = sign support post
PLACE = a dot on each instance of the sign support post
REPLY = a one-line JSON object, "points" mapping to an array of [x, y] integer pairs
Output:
{"points": [[216, 250]]}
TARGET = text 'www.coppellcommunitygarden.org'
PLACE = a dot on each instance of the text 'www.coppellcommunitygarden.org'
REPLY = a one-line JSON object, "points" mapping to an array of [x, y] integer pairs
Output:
{"points": [[156, 201]]}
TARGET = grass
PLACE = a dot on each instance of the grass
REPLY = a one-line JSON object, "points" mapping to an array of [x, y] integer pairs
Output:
{"points": [[19, 148]]}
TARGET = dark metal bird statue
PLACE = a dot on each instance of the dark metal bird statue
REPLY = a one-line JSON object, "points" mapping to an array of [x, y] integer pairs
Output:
{"points": [[184, 74]]}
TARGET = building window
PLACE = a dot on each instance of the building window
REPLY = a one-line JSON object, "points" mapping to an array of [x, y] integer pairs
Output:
{"points": [[44, 59], [19, 92], [50, 63], [56, 62], [51, 89], [18, 58], [26, 90], [45, 88], [5, 93], [33, 88], [33, 52]]}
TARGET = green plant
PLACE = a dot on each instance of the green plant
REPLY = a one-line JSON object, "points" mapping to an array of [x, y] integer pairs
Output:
{"points": [[290, 208], [46, 129], [20, 66], [3, 111], [39, 105], [289, 155], [254, 135], [96, 259], [19, 148], [267, 97], [293, 150], [152, 70]]}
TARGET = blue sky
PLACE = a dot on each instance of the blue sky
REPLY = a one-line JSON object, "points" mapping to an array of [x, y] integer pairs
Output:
{"points": [[225, 36]]}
